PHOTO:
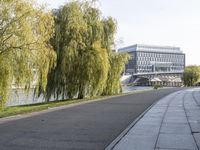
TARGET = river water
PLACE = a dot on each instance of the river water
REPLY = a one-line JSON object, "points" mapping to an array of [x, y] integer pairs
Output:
{"points": [[23, 98]]}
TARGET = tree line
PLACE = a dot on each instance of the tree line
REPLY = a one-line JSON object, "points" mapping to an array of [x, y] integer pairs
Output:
{"points": [[70, 49], [191, 75]]}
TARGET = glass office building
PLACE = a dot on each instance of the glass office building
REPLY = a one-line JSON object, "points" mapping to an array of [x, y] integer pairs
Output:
{"points": [[151, 65], [154, 59]]}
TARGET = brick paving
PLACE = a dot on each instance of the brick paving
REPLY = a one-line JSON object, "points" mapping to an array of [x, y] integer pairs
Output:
{"points": [[173, 123]]}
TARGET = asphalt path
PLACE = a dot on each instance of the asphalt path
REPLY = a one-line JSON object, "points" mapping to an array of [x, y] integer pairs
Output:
{"points": [[91, 126]]}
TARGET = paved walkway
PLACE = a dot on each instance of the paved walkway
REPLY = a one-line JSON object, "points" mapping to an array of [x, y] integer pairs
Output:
{"points": [[172, 124], [84, 126]]}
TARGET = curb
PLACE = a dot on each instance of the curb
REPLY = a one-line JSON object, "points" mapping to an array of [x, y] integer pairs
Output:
{"points": [[52, 109], [119, 137]]}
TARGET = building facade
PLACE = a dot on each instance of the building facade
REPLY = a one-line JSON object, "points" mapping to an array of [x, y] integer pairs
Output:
{"points": [[155, 61]]}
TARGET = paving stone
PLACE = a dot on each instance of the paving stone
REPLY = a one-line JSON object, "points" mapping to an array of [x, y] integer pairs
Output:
{"points": [[157, 110], [175, 117], [176, 104], [175, 128], [197, 138], [162, 103], [194, 119], [188, 102], [178, 114], [156, 115], [173, 141], [175, 111], [195, 126], [174, 133], [191, 107], [167, 149], [172, 113], [137, 142], [193, 114], [152, 116], [145, 129], [151, 120], [175, 120], [159, 105]]}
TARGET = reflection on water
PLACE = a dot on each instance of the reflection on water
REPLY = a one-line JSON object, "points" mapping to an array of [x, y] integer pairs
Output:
{"points": [[20, 97], [23, 98], [127, 89]]}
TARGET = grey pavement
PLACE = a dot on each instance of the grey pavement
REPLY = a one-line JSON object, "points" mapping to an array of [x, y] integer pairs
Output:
{"points": [[91, 126], [173, 123]]}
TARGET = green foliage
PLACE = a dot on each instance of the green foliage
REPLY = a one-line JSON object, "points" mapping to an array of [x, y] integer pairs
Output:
{"points": [[83, 41], [25, 30], [85, 61], [191, 75], [157, 86], [82, 63], [5, 80], [117, 66], [117, 61]]}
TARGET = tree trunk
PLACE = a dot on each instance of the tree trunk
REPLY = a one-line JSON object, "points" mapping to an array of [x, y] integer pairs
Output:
{"points": [[81, 92]]}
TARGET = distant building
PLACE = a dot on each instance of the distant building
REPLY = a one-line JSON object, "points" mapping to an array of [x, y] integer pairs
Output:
{"points": [[161, 63]]}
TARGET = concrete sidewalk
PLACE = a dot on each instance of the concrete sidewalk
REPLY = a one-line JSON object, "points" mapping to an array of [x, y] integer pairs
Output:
{"points": [[173, 123]]}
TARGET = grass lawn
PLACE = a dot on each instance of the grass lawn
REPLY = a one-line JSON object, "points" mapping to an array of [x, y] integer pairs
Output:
{"points": [[16, 110], [24, 109]]}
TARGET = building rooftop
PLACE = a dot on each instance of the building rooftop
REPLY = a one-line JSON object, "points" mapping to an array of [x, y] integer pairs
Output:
{"points": [[150, 48]]}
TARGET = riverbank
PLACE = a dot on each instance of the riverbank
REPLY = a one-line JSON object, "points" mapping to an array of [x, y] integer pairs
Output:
{"points": [[24, 109], [68, 127]]}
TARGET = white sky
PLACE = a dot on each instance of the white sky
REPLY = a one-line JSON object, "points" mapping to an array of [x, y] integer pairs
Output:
{"points": [[157, 22]]}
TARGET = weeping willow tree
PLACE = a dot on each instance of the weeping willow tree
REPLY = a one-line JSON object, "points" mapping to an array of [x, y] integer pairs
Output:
{"points": [[82, 41], [82, 64], [25, 30], [117, 61], [95, 64], [69, 29], [117, 65]]}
